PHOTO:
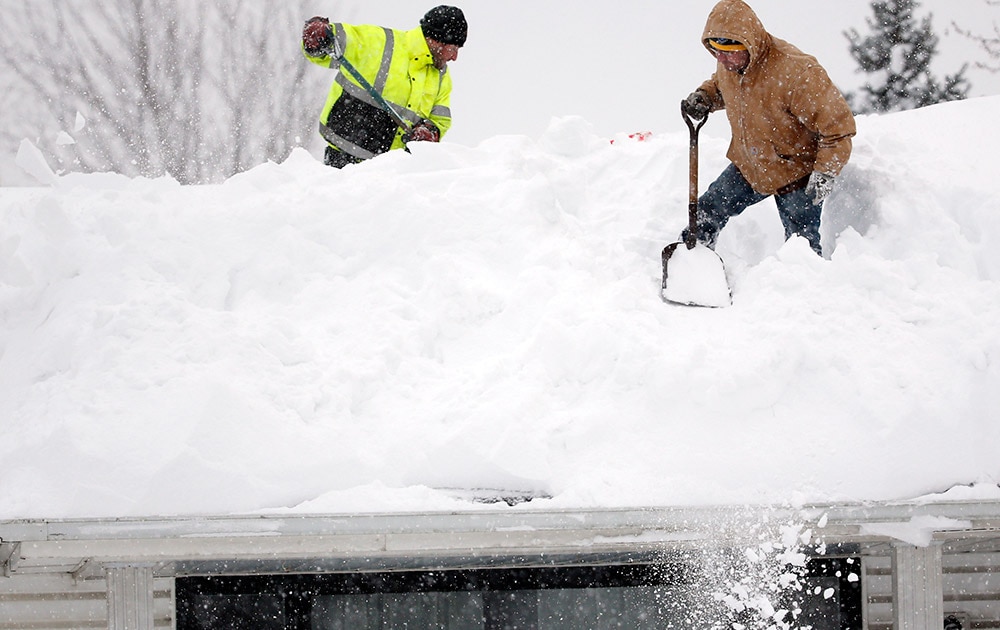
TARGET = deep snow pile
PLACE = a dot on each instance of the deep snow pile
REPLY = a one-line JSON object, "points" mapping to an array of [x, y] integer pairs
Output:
{"points": [[384, 337]]}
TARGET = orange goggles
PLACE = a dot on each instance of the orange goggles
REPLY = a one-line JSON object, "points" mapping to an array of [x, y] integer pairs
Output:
{"points": [[726, 45]]}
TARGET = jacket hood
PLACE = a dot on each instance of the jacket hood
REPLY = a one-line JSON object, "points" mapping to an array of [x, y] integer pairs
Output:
{"points": [[734, 19]]}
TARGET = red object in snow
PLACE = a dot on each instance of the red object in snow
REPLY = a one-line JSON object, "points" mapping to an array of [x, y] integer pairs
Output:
{"points": [[639, 136]]}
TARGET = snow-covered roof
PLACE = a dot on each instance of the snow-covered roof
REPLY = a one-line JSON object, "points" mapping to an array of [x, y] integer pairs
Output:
{"points": [[300, 340]]}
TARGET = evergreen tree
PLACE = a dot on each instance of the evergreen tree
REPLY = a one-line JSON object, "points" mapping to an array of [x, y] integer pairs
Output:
{"points": [[897, 55]]}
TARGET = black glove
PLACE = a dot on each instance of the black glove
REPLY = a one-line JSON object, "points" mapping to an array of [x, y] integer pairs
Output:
{"points": [[317, 37], [696, 105], [424, 131]]}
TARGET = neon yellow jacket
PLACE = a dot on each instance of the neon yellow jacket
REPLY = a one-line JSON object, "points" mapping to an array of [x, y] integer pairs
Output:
{"points": [[400, 67]]}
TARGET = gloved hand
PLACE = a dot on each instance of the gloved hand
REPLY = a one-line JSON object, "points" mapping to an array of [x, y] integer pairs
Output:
{"points": [[696, 105], [424, 131], [819, 187], [317, 38]]}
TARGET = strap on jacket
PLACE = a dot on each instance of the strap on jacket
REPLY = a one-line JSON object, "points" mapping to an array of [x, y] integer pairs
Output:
{"points": [[343, 144]]}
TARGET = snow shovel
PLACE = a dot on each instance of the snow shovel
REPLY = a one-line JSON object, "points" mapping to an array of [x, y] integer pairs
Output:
{"points": [[694, 275]]}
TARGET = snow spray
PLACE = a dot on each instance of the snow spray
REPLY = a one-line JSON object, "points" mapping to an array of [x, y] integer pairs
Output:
{"points": [[747, 574]]}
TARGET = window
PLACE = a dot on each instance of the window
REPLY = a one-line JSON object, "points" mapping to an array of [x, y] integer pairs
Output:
{"points": [[629, 597]]}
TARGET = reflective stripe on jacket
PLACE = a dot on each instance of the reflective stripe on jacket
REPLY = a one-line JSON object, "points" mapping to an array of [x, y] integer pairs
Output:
{"points": [[399, 66], [787, 117]]}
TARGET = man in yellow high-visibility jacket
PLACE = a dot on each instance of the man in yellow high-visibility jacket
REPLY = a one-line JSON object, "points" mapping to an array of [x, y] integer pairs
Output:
{"points": [[409, 69]]}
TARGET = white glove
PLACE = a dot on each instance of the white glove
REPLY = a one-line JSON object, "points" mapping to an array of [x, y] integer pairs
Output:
{"points": [[819, 187]]}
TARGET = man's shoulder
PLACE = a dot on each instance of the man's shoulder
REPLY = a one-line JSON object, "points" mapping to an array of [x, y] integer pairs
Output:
{"points": [[414, 37], [789, 54]]}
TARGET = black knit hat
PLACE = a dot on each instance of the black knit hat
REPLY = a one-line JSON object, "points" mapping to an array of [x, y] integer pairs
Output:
{"points": [[446, 25]]}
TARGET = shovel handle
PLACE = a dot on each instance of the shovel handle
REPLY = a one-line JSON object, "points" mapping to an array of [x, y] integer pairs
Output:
{"points": [[693, 128]]}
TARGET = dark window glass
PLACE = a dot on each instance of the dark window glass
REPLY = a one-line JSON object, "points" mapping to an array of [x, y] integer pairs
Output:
{"points": [[633, 597], [236, 612]]}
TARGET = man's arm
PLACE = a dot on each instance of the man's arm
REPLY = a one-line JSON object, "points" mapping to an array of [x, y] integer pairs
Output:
{"points": [[441, 112], [711, 90], [703, 101], [820, 106]]}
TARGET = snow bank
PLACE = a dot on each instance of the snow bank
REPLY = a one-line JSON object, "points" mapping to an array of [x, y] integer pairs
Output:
{"points": [[391, 336]]}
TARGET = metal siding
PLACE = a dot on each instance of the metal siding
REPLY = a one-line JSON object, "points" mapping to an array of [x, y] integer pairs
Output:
{"points": [[970, 585], [58, 601]]}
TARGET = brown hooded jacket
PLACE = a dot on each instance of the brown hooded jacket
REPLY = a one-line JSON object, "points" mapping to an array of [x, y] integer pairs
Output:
{"points": [[787, 117]]}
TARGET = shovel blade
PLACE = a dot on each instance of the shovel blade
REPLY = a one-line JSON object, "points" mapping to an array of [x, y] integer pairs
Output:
{"points": [[694, 277]]}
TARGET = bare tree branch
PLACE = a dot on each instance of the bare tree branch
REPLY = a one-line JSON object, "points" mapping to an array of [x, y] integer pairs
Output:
{"points": [[989, 43], [197, 89]]}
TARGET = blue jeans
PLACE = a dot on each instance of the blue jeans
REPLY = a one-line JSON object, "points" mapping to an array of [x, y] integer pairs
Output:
{"points": [[731, 194]]}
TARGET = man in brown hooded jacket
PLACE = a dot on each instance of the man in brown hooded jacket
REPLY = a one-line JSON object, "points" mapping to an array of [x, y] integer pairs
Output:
{"points": [[791, 127]]}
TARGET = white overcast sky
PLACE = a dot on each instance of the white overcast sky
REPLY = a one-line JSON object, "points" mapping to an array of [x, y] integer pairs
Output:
{"points": [[625, 65]]}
